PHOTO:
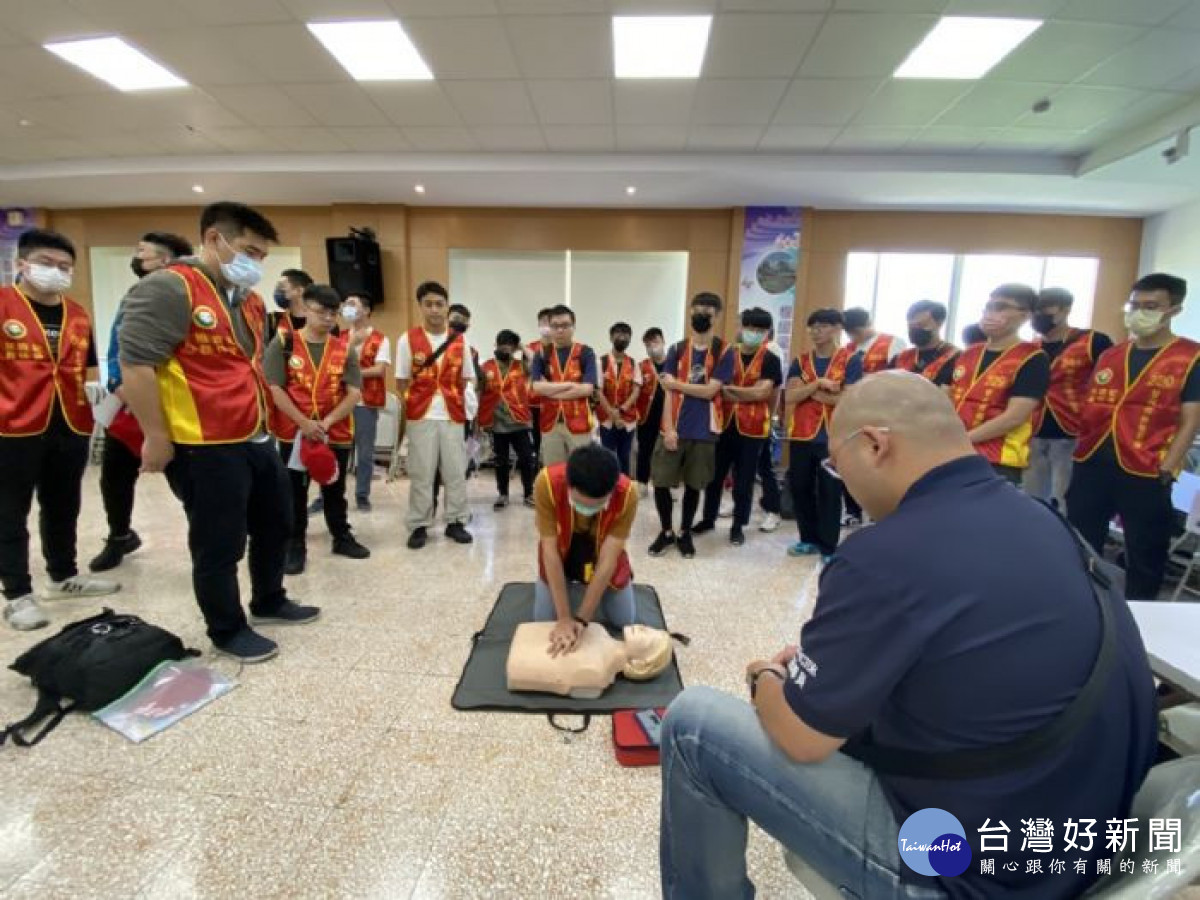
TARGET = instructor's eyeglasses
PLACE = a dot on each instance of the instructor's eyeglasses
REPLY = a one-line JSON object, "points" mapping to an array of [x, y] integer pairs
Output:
{"points": [[829, 463]]}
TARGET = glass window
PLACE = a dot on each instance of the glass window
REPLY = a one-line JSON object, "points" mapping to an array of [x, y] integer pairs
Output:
{"points": [[861, 269], [1076, 274], [905, 278], [983, 273]]}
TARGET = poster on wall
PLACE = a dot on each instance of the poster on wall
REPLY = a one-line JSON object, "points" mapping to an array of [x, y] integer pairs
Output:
{"points": [[13, 222], [770, 255]]}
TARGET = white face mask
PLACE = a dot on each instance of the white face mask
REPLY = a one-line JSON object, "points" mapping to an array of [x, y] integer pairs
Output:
{"points": [[48, 279], [350, 313], [1143, 322], [242, 271]]}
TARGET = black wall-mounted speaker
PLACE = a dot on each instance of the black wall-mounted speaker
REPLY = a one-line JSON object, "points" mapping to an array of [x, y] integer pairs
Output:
{"points": [[355, 264]]}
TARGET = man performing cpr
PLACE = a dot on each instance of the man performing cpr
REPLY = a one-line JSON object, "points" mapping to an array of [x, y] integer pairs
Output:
{"points": [[585, 510]]}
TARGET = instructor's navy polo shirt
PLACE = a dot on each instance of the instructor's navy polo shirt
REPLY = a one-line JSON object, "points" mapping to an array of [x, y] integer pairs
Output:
{"points": [[965, 619]]}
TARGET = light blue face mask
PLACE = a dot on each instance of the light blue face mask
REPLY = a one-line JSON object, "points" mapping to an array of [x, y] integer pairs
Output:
{"points": [[241, 271], [752, 338], [584, 510]]}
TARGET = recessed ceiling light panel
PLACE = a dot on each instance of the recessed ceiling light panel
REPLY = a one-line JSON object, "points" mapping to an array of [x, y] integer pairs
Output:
{"points": [[122, 65], [965, 47], [659, 46], [373, 51]]}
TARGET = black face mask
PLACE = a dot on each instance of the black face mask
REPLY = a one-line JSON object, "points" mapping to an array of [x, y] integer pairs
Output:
{"points": [[621, 344], [139, 267], [920, 337], [1043, 323], [458, 327], [504, 355], [280, 298], [701, 322]]}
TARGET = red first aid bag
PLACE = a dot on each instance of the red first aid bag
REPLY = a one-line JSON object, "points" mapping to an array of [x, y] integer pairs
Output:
{"points": [[631, 744]]}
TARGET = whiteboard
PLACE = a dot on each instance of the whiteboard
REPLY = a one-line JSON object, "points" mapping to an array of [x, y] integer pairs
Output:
{"points": [[505, 290]]}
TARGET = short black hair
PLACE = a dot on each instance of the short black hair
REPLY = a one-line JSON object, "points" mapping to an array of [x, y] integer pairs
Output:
{"points": [[236, 218], [707, 298], [757, 317], [1175, 286], [1021, 294], [651, 334], [856, 317], [973, 334], [322, 295], [935, 309], [177, 246], [562, 310], [620, 326], [43, 239], [1054, 296], [508, 337], [593, 471], [298, 277], [367, 300], [544, 313], [825, 317], [460, 309], [425, 288]]}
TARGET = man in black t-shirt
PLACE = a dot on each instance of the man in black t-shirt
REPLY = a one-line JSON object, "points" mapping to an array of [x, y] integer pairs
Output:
{"points": [[930, 355]]}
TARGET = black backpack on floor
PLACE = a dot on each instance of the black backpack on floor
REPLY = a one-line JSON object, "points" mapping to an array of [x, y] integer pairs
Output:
{"points": [[88, 665]]}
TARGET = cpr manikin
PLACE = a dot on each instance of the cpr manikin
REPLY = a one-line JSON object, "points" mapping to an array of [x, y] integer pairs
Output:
{"points": [[587, 671]]}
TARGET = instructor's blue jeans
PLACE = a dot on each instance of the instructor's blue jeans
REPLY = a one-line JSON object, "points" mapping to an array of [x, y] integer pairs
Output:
{"points": [[719, 769], [619, 608]]}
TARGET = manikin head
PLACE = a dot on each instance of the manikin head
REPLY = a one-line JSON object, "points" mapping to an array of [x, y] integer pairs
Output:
{"points": [[592, 476], [648, 650]]}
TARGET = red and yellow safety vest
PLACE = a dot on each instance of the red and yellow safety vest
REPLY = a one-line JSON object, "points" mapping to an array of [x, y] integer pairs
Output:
{"points": [[212, 391], [564, 516], [32, 379], [617, 387], [1142, 417], [512, 387], [809, 416], [876, 359], [535, 348], [1070, 373], [649, 388], [981, 396], [444, 377], [577, 414], [683, 372], [374, 387], [316, 389], [753, 417], [908, 361]]}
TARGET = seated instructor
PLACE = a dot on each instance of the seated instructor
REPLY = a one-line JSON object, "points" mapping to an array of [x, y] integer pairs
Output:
{"points": [[966, 650], [585, 510]]}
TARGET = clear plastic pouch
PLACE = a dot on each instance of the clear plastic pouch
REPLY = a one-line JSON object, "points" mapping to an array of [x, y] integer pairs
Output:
{"points": [[169, 692]]}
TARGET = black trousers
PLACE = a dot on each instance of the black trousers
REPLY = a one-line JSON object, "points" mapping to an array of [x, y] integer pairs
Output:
{"points": [[770, 501], [231, 492], [520, 443], [816, 496], [647, 435], [50, 465], [852, 507], [536, 431], [119, 470], [333, 495], [1101, 489], [741, 454], [620, 442]]}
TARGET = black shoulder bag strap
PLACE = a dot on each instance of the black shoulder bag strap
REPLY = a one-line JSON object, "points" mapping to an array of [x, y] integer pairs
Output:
{"points": [[437, 354], [47, 705], [553, 719], [1044, 741]]}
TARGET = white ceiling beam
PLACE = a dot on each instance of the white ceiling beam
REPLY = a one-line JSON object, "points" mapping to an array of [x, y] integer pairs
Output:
{"points": [[1135, 140]]}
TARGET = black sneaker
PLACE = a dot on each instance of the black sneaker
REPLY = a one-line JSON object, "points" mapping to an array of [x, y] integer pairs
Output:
{"points": [[530, 502], [288, 614], [703, 527], [115, 550], [686, 548], [664, 540], [736, 537], [457, 533], [247, 646], [346, 545], [297, 557], [417, 539], [316, 506], [501, 503], [363, 504]]}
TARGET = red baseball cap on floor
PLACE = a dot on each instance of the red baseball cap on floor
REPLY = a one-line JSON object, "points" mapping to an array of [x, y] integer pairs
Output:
{"points": [[322, 465]]}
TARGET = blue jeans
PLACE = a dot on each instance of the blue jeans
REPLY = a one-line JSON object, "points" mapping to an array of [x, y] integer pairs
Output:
{"points": [[620, 442], [366, 423], [1049, 472], [619, 608], [719, 768]]}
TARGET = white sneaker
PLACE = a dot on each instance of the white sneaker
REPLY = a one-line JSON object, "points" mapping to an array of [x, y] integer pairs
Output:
{"points": [[726, 510], [643, 491], [24, 614], [770, 522], [80, 586]]}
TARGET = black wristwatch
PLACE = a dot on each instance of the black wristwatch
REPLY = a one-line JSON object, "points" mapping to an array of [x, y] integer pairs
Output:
{"points": [[1165, 477], [759, 674], [581, 620]]}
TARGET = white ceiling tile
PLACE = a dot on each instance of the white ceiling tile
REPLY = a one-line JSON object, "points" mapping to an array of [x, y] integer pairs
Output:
{"points": [[464, 47], [123, 145], [651, 137], [180, 141], [47, 149], [414, 103], [334, 10], [262, 105], [1187, 82], [1157, 59], [337, 105], [1131, 12], [410, 8], [240, 12], [1013, 9], [284, 53], [1188, 17], [572, 102], [491, 102], [510, 138], [48, 20], [662, 7], [861, 44], [374, 140], [798, 137], [995, 104], [1063, 51], [191, 108], [775, 5], [759, 46], [894, 6], [546, 7], [242, 140], [724, 137], [103, 114], [203, 62], [562, 46], [130, 15], [824, 101], [737, 101], [441, 139], [653, 102], [33, 72], [306, 140], [1148, 107], [950, 137], [910, 104], [1079, 107], [868, 138], [580, 138], [1034, 139]]}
